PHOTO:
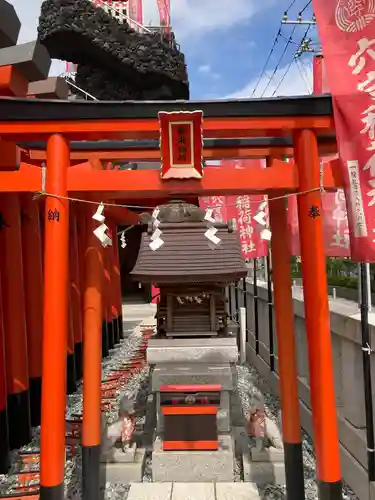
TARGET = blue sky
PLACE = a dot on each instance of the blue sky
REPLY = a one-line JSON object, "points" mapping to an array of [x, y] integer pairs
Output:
{"points": [[226, 43]]}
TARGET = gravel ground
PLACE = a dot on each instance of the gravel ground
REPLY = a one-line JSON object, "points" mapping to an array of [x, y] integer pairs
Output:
{"points": [[136, 387], [250, 386]]}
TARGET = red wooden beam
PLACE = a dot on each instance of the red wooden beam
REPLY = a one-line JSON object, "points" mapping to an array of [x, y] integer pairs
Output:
{"points": [[128, 184], [38, 156], [142, 184], [149, 128]]}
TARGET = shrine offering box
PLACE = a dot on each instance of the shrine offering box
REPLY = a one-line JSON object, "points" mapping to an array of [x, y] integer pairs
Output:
{"points": [[190, 416]]}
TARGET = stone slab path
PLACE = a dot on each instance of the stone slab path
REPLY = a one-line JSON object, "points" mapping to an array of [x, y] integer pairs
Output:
{"points": [[193, 491]]}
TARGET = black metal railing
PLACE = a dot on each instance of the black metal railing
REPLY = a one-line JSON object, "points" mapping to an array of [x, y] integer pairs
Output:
{"points": [[245, 294]]}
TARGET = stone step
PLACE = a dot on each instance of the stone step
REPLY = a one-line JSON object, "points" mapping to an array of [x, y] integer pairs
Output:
{"points": [[193, 491], [194, 466], [192, 373], [192, 350]]}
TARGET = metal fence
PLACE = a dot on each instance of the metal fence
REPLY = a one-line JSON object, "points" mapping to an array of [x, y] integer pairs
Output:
{"points": [[243, 294]]}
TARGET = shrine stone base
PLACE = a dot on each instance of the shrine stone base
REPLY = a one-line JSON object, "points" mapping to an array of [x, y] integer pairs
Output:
{"points": [[194, 466], [192, 373], [124, 472], [116, 455], [260, 467], [192, 350]]}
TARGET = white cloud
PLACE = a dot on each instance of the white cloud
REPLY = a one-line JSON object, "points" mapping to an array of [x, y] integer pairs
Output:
{"points": [[298, 81], [205, 68], [28, 12], [197, 17]]}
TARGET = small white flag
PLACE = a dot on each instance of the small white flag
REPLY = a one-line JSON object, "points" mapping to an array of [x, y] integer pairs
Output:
{"points": [[208, 216], [259, 218], [98, 214], [156, 244], [210, 235], [266, 234], [156, 234]]}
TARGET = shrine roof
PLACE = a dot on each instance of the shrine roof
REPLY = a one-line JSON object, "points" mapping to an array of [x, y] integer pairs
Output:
{"points": [[187, 256], [40, 110]]}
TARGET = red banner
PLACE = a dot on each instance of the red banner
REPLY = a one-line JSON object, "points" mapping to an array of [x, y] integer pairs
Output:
{"points": [[219, 211], [242, 209], [252, 244], [335, 225], [138, 10], [346, 29], [164, 7], [135, 11], [293, 226]]}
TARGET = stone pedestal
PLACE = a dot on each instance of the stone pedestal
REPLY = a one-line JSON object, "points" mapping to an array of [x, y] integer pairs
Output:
{"points": [[124, 472], [261, 467], [194, 466], [267, 455], [192, 373], [195, 361], [116, 455], [194, 350]]}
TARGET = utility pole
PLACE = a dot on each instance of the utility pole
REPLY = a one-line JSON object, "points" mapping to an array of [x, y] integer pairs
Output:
{"points": [[306, 45], [305, 22]]}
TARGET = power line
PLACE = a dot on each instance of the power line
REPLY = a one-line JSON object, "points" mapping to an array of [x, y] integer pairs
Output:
{"points": [[305, 7], [291, 5], [290, 65], [268, 59], [303, 74], [287, 39], [278, 35], [279, 62]]}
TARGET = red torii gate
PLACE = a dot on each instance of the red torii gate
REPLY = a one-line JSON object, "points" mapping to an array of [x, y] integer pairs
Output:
{"points": [[306, 121]]}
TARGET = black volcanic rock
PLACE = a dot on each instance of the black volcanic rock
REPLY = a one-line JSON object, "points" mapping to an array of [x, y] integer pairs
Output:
{"points": [[114, 61], [107, 85]]}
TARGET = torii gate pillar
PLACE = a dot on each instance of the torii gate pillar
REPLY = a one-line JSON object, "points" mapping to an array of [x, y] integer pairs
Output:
{"points": [[55, 321], [317, 317]]}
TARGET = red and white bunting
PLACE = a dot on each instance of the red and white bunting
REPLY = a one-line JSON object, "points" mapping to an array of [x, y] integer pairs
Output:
{"points": [[181, 144]]}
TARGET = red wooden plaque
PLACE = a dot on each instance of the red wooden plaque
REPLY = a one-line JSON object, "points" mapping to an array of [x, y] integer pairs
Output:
{"points": [[181, 144]]}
